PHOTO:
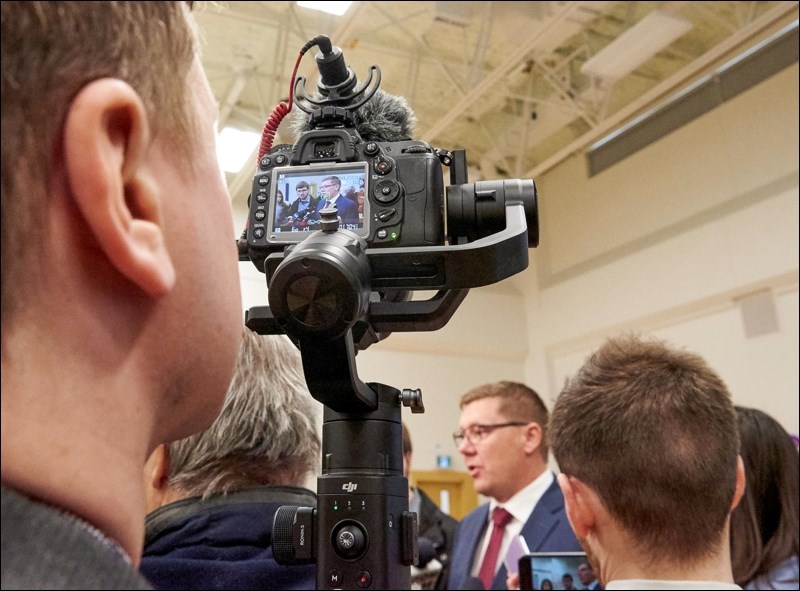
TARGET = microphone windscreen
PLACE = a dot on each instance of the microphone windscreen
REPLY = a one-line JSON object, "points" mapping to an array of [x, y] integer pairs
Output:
{"points": [[383, 118]]}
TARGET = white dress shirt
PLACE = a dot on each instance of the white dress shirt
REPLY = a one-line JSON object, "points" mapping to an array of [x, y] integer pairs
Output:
{"points": [[521, 505]]}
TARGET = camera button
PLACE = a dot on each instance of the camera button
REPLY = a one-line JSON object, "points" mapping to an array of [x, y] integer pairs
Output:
{"points": [[265, 161], [383, 165], [386, 191], [280, 159], [261, 197], [260, 215], [386, 214], [382, 233], [364, 579], [258, 233], [371, 148], [263, 181], [335, 578]]}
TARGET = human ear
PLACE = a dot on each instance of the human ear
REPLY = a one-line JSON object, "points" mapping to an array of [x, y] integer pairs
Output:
{"points": [[156, 476], [533, 437], [741, 483], [577, 504], [106, 139], [157, 471]]}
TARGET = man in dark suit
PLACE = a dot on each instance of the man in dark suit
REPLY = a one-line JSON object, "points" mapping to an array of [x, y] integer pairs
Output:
{"points": [[502, 438], [434, 525], [303, 207], [587, 577], [347, 208]]}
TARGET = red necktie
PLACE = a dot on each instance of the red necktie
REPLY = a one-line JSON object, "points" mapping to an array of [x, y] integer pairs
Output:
{"points": [[500, 518]]}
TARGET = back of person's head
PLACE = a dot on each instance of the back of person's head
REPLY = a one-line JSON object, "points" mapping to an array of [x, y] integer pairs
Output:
{"points": [[407, 447], [50, 51], [407, 451], [764, 526], [266, 433], [518, 402], [652, 430]]}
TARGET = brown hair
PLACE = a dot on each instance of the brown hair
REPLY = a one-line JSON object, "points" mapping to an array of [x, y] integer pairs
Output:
{"points": [[518, 402], [765, 524], [652, 430], [50, 51]]}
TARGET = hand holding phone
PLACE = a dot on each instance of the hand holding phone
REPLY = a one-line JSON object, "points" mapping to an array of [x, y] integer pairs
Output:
{"points": [[537, 567]]}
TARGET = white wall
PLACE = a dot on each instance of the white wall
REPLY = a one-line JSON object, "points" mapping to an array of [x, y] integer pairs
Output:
{"points": [[485, 341], [665, 242], [668, 240]]}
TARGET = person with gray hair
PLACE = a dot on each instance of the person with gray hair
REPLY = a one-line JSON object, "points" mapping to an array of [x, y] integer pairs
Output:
{"points": [[212, 496]]}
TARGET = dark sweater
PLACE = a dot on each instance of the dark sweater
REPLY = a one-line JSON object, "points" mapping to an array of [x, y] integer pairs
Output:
{"points": [[46, 548]]}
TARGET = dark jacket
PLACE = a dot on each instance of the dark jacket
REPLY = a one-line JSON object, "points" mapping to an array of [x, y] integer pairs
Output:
{"points": [[440, 529], [347, 209], [224, 542]]}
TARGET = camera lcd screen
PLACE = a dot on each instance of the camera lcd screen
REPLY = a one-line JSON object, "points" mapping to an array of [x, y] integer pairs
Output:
{"points": [[299, 193], [553, 570]]}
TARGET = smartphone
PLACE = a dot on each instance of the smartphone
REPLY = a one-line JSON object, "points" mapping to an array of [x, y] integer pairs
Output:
{"points": [[557, 568]]}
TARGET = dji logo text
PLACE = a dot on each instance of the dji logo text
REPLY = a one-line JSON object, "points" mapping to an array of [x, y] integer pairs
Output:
{"points": [[349, 487]]}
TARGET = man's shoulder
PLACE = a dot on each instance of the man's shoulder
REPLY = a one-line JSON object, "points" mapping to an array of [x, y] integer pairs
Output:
{"points": [[431, 510], [242, 504], [478, 514]]}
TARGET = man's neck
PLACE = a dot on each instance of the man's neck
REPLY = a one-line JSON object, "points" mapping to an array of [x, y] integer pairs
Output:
{"points": [[624, 564], [69, 453]]}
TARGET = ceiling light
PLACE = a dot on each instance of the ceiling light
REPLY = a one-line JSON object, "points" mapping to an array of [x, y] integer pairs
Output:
{"points": [[234, 147], [635, 46], [337, 8]]}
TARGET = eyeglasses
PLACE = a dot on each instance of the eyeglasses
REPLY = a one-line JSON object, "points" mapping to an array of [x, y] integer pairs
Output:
{"points": [[477, 433], [328, 186]]}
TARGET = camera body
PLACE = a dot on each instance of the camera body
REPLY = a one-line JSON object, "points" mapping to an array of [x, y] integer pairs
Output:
{"points": [[397, 189]]}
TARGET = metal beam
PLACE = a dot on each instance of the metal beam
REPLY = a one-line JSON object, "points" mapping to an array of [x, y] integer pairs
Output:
{"points": [[504, 68], [682, 77]]}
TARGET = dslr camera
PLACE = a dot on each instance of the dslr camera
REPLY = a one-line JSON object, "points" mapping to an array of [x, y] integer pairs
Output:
{"points": [[396, 188], [379, 224]]}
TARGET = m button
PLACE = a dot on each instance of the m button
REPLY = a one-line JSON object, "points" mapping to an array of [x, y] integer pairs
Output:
{"points": [[335, 578]]}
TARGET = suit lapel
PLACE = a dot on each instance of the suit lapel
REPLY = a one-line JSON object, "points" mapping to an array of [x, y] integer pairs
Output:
{"points": [[542, 521], [468, 543]]}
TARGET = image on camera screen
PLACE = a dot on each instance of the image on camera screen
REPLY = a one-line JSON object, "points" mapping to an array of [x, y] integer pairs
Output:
{"points": [[300, 193]]}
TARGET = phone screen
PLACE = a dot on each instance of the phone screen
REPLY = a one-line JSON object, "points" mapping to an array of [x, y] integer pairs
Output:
{"points": [[551, 570]]}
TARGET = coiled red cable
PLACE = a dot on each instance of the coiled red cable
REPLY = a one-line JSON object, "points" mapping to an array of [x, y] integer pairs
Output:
{"points": [[277, 115]]}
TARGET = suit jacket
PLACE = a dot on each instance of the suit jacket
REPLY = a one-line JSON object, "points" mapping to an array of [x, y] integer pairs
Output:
{"points": [[347, 208], [547, 530]]}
